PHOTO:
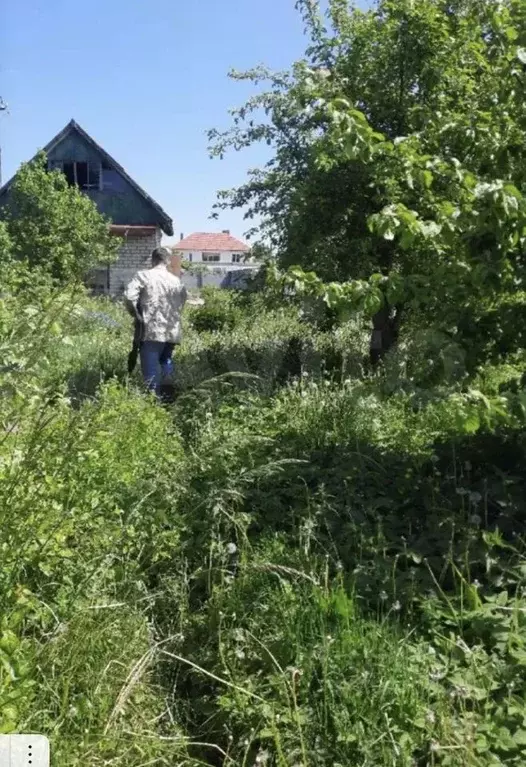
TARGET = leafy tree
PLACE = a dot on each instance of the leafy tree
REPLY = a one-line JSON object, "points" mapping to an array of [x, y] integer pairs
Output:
{"points": [[6, 246], [54, 227], [261, 252], [400, 150]]}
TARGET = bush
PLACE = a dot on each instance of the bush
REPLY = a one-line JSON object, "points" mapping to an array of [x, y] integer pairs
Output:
{"points": [[54, 227], [219, 311]]}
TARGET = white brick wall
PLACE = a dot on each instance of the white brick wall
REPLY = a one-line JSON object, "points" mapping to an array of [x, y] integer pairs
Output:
{"points": [[133, 255], [225, 257], [136, 251]]}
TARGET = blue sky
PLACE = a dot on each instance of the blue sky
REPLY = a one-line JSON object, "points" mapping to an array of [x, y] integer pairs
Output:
{"points": [[146, 79]]}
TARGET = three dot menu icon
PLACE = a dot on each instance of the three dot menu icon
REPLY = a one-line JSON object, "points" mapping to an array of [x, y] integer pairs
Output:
{"points": [[24, 751]]}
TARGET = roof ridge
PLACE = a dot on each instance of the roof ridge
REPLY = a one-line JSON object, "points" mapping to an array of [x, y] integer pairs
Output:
{"points": [[73, 125], [212, 241]]}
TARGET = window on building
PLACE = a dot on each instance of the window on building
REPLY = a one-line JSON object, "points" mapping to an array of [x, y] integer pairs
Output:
{"points": [[190, 257], [82, 174], [68, 169], [237, 258], [210, 258]]}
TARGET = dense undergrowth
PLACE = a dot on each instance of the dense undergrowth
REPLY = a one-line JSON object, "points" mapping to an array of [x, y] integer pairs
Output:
{"points": [[295, 563]]}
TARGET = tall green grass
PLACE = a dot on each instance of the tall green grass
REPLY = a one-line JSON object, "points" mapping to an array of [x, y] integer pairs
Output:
{"points": [[293, 564]]}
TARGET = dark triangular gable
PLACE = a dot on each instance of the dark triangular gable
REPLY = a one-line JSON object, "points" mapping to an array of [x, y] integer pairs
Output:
{"points": [[129, 204]]}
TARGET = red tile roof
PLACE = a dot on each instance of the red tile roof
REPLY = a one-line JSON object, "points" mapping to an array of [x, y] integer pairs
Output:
{"points": [[211, 241]]}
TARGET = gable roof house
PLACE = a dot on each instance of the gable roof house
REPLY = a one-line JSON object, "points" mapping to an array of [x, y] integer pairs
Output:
{"points": [[135, 216], [213, 249]]}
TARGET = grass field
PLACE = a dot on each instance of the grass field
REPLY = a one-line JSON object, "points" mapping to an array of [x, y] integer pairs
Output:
{"points": [[295, 563]]}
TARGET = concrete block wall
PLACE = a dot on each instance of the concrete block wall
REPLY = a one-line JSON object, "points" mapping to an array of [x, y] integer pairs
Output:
{"points": [[218, 277], [134, 255], [97, 281]]}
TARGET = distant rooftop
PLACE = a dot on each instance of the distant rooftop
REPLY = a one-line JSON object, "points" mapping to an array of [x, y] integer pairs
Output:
{"points": [[212, 241]]}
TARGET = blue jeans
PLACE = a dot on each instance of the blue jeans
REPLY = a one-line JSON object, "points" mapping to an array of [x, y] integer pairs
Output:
{"points": [[156, 362]]}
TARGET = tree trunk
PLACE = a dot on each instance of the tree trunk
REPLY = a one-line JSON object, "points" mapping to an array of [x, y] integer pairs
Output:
{"points": [[386, 329]]}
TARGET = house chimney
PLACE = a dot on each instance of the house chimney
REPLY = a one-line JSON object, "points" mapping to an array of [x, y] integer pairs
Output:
{"points": [[182, 236], [226, 231]]}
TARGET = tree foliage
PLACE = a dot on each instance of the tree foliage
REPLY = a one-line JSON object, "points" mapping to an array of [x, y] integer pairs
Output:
{"points": [[400, 157], [5, 245], [261, 252], [54, 227]]}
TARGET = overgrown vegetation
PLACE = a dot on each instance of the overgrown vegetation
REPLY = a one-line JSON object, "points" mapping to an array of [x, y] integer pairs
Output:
{"points": [[399, 165], [293, 564], [301, 560], [52, 227]]}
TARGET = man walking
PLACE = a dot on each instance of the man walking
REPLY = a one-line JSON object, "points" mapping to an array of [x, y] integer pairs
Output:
{"points": [[155, 298]]}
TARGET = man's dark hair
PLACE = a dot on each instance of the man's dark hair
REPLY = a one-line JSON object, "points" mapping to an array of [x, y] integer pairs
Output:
{"points": [[161, 256]]}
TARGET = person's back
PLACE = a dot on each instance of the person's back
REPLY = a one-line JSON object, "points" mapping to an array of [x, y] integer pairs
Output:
{"points": [[162, 298], [156, 297]]}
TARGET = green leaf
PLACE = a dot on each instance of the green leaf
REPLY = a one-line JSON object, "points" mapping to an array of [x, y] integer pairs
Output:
{"points": [[9, 715], [9, 642], [468, 421], [427, 178]]}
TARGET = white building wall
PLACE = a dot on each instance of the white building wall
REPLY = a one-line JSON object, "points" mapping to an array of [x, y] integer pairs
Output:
{"points": [[134, 254], [225, 258]]}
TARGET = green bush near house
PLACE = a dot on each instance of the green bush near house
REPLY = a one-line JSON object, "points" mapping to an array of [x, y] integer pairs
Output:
{"points": [[53, 227]]}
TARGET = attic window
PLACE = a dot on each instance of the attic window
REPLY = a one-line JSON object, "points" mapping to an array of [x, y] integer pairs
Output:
{"points": [[68, 169], [82, 174]]}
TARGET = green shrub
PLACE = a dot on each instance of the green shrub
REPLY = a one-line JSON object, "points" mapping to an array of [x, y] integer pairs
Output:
{"points": [[219, 311], [54, 227]]}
